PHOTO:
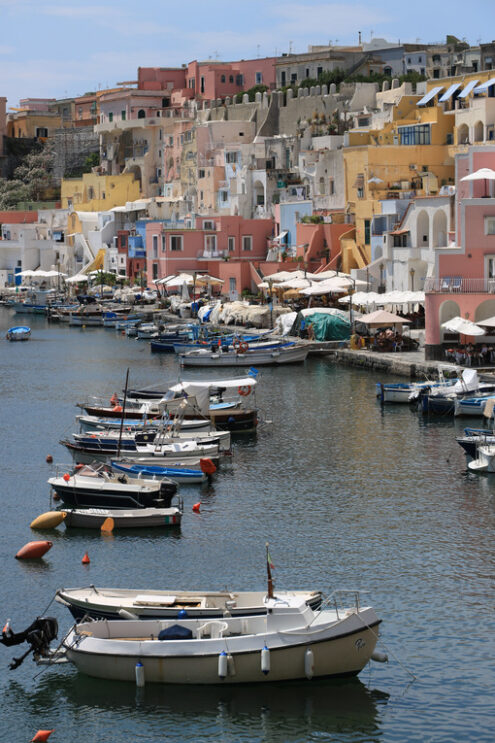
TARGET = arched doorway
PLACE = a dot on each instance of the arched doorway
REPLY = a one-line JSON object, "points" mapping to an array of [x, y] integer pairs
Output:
{"points": [[439, 229], [463, 134], [259, 194], [447, 311], [478, 132]]}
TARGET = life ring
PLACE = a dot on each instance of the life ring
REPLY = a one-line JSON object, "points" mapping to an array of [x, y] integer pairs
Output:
{"points": [[244, 390], [240, 346]]}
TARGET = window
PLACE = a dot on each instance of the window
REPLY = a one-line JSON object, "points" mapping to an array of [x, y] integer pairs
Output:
{"points": [[210, 244], [141, 113], [293, 77], [122, 115], [222, 78], [319, 71], [165, 102], [201, 173], [155, 271], [110, 116], [123, 241], [367, 231], [232, 285], [164, 243], [282, 77], [202, 86], [170, 141], [42, 131], [231, 244], [489, 225], [224, 195], [412, 135], [239, 80], [176, 242], [259, 78], [331, 187], [307, 72], [231, 78], [490, 266], [247, 242], [231, 157], [80, 112], [155, 246], [208, 224]]}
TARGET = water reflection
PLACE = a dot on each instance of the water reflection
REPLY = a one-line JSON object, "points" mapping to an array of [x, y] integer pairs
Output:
{"points": [[279, 712]]}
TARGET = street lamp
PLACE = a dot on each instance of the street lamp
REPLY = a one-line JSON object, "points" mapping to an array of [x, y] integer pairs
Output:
{"points": [[270, 285], [412, 272], [351, 310]]}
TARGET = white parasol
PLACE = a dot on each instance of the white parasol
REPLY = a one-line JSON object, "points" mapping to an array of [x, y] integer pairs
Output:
{"points": [[462, 326]]}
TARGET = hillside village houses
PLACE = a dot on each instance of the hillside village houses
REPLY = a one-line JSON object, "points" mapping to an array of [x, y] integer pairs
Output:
{"points": [[195, 173]]}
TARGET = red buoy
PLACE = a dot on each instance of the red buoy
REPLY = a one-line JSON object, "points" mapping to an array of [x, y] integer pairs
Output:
{"points": [[34, 550], [66, 477], [85, 560], [42, 735], [196, 507], [49, 458]]}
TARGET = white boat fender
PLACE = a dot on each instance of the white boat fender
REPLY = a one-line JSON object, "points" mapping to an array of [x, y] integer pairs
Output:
{"points": [[379, 657], [309, 663], [230, 665], [223, 665], [265, 660], [127, 615], [139, 674]]}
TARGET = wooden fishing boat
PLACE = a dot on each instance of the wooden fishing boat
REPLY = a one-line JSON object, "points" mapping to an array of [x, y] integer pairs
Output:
{"points": [[133, 468], [118, 603], [86, 453], [264, 357], [18, 333], [130, 518], [289, 642]]}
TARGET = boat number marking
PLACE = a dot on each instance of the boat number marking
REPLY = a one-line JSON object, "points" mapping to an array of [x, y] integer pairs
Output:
{"points": [[359, 644]]}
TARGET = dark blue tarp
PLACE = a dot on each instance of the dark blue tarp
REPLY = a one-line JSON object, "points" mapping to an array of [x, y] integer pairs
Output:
{"points": [[175, 632]]}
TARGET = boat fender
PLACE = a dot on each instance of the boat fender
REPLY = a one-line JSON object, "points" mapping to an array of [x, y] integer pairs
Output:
{"points": [[265, 660], [230, 665], [207, 466], [66, 477], [128, 615], [379, 657], [309, 663], [223, 668], [139, 674], [117, 408], [34, 550], [182, 614]]}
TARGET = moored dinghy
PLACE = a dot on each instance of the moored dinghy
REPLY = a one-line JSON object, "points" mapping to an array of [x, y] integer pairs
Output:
{"points": [[18, 333]]}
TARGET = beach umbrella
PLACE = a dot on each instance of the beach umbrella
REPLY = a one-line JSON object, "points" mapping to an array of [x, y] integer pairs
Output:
{"points": [[296, 283], [27, 272], [206, 280], [483, 174], [488, 323], [381, 319], [462, 326]]}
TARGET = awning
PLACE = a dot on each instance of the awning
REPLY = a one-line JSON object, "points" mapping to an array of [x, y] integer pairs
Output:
{"points": [[449, 92], [466, 91], [280, 237], [484, 86], [430, 95]]}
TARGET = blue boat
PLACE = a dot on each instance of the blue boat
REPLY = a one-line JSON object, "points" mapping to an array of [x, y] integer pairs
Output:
{"points": [[142, 471], [18, 333]]}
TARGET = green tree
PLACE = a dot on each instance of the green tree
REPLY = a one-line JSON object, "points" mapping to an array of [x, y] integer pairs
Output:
{"points": [[35, 172]]}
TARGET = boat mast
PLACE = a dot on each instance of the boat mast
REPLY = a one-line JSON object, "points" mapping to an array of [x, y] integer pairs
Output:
{"points": [[269, 573], [123, 412]]}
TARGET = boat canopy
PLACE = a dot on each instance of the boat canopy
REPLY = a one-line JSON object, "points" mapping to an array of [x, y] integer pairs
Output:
{"points": [[201, 390]]}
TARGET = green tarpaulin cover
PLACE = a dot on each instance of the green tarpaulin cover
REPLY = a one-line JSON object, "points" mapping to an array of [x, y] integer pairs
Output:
{"points": [[325, 327]]}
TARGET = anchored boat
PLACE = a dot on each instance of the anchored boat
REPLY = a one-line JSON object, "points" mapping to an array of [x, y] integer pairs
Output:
{"points": [[18, 333]]}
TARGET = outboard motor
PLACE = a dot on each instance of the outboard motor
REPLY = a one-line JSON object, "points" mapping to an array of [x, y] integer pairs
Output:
{"points": [[167, 491], [38, 635]]}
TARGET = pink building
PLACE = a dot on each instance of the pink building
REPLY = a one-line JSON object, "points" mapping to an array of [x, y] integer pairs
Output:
{"points": [[464, 282], [225, 247], [161, 78], [212, 80]]}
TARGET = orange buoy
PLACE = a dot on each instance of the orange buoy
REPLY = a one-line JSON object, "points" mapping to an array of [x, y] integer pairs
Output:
{"points": [[34, 550], [107, 526], [49, 458], [42, 735], [85, 560], [79, 466], [117, 408], [66, 477], [196, 507]]}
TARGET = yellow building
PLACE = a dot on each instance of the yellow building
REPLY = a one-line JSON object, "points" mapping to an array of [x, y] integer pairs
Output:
{"points": [[32, 124], [99, 193], [409, 157]]}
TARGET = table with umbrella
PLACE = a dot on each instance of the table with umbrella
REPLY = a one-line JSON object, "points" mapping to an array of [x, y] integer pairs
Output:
{"points": [[463, 327], [384, 319]]}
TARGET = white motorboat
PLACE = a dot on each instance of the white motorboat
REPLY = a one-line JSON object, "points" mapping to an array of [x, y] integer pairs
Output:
{"points": [[485, 459], [131, 518], [186, 451], [269, 356], [288, 642], [125, 603]]}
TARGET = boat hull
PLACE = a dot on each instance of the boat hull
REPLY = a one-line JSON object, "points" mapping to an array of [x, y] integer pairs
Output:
{"points": [[270, 357], [94, 518], [336, 655]]}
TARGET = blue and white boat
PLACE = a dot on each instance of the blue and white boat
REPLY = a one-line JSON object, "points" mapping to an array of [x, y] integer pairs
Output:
{"points": [[183, 475], [18, 333], [474, 406]]}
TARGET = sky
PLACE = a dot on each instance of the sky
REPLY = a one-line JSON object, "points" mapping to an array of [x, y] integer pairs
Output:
{"points": [[64, 48]]}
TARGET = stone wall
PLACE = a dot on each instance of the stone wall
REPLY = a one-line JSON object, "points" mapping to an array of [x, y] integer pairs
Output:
{"points": [[71, 148]]}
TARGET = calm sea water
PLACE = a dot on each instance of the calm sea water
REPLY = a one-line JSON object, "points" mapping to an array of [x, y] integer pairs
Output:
{"points": [[347, 494]]}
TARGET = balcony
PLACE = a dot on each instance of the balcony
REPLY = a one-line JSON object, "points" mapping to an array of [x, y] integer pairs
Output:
{"points": [[459, 285], [211, 255]]}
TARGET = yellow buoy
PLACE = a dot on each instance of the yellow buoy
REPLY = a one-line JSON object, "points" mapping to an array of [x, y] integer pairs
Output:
{"points": [[48, 520]]}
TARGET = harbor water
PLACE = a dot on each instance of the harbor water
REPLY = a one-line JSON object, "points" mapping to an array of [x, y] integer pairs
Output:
{"points": [[349, 495]]}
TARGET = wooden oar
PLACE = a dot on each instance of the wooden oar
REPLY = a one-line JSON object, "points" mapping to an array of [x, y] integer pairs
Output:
{"points": [[107, 525]]}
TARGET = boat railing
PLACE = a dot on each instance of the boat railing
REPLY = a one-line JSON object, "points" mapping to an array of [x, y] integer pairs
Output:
{"points": [[335, 600]]}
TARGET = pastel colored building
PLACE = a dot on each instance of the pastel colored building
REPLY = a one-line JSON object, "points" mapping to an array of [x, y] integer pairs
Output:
{"points": [[464, 282], [95, 192], [225, 247], [211, 80]]}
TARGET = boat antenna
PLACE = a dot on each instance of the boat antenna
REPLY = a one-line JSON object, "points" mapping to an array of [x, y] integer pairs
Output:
{"points": [[269, 568], [123, 413]]}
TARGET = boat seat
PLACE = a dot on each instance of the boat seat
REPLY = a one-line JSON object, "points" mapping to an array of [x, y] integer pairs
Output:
{"points": [[213, 629]]}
